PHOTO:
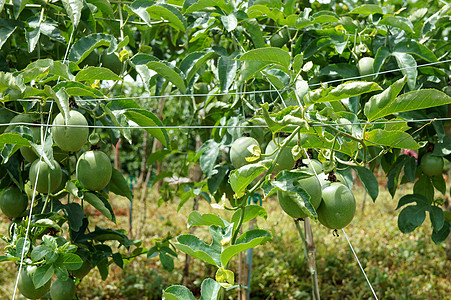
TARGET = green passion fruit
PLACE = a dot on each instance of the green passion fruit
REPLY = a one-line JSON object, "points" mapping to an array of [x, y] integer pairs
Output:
{"points": [[280, 38], [70, 139], [27, 287], [285, 160], [290, 203], [94, 170], [240, 151], [338, 206], [13, 202], [431, 164], [366, 67], [63, 290], [111, 61], [48, 179]]}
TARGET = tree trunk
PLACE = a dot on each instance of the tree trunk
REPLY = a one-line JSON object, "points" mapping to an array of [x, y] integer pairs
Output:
{"points": [[311, 258]]}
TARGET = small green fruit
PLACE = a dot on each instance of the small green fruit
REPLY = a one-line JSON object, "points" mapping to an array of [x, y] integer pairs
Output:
{"points": [[240, 151], [13, 202], [338, 206], [70, 139], [366, 67], [27, 287], [63, 290], [48, 179], [431, 164], [285, 161], [94, 170]]}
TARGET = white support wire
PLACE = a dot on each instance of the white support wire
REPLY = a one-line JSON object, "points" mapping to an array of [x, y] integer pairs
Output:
{"points": [[360, 265], [182, 127]]}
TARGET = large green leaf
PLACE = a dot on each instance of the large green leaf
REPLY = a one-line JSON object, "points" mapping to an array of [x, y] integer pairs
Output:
{"points": [[73, 9], [408, 66], [249, 239], [242, 177], [210, 289], [103, 5], [412, 216], [178, 292], [84, 46], [169, 13], [42, 275], [101, 205], [197, 219], [96, 73], [139, 7], [414, 100], [398, 22], [194, 61], [395, 139], [415, 48], [269, 55], [369, 181], [119, 185], [168, 72], [343, 91], [13, 139], [78, 89], [194, 247], [198, 5], [145, 118], [250, 212], [367, 9], [9, 81], [384, 99]]}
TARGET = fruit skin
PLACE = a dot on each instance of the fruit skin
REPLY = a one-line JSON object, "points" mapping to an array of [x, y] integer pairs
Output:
{"points": [[431, 164], [91, 60], [63, 290], [45, 173], [280, 38], [285, 161], [366, 67], [94, 170], [83, 270], [338, 206], [13, 202], [313, 164], [26, 286], [70, 139], [288, 203], [239, 151], [27, 152], [111, 61]]}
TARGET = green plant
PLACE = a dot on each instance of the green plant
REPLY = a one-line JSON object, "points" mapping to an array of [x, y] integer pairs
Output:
{"points": [[13, 202], [94, 170], [366, 67], [27, 287], [70, 139], [244, 150], [111, 61], [63, 290], [285, 160], [45, 177], [431, 164], [338, 206], [292, 203]]}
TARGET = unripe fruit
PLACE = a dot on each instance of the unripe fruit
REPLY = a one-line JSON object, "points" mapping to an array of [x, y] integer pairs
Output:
{"points": [[27, 287], [94, 170], [285, 161], [289, 203], [366, 67], [70, 139], [63, 290], [240, 150], [280, 38], [13, 202], [338, 206], [431, 164], [111, 61], [48, 180]]}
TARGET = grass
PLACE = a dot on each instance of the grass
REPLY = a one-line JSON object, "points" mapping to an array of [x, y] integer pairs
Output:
{"points": [[399, 266]]}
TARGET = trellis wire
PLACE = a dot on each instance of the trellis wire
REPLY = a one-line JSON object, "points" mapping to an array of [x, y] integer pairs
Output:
{"points": [[360, 265], [217, 126], [249, 92]]}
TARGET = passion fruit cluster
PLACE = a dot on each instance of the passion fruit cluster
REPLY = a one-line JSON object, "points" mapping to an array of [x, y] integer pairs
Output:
{"points": [[330, 196]]}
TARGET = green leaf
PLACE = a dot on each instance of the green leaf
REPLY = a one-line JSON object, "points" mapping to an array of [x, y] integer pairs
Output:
{"points": [[7, 80], [194, 6], [255, 32], [119, 185], [42, 275], [178, 292], [415, 48], [72, 261], [440, 236], [18, 6], [424, 187], [62, 100], [210, 289], [39, 252], [167, 261], [197, 219], [249, 239], [103, 5], [395, 139], [73, 88], [191, 64], [437, 218], [367, 9], [13, 139], [343, 91], [32, 38], [209, 153], [22, 246], [101, 205], [84, 46], [393, 174], [194, 247], [168, 73], [439, 183], [398, 22], [408, 66], [139, 7], [229, 21], [96, 73], [369, 181], [381, 56], [250, 212], [240, 178], [73, 9], [384, 99], [225, 277], [411, 217], [410, 198], [74, 215], [269, 55], [169, 13], [414, 100], [145, 118], [227, 69], [410, 169]]}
